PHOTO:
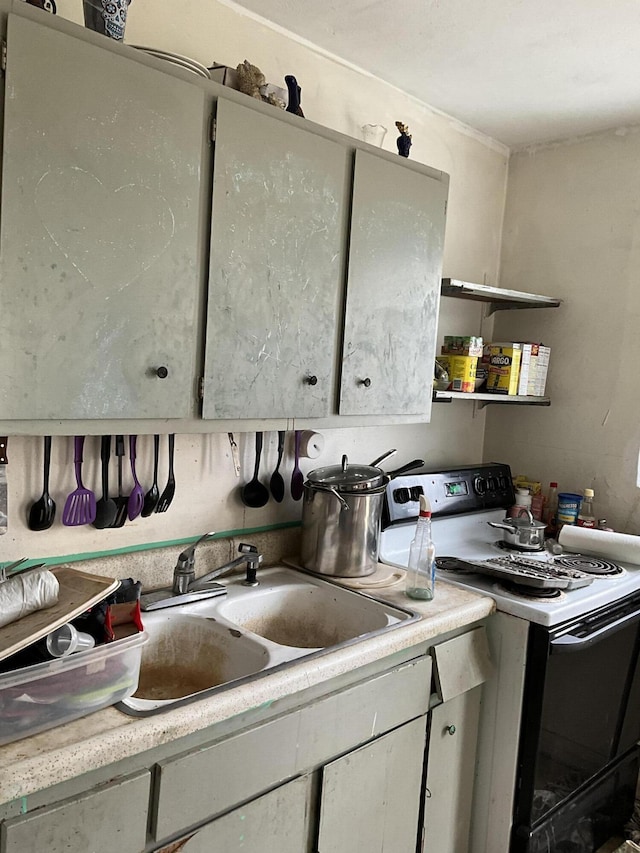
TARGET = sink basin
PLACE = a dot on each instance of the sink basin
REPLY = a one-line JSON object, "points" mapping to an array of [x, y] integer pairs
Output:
{"points": [[305, 615], [198, 648]]}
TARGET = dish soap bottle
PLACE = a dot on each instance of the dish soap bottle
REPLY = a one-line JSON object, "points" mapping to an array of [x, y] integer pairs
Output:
{"points": [[421, 572], [586, 515]]}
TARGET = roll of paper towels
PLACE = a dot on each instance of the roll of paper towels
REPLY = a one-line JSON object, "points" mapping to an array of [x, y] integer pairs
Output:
{"points": [[27, 593], [601, 543], [311, 444]]}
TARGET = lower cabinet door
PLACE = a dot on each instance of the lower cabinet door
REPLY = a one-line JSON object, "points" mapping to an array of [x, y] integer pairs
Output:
{"points": [[371, 797], [277, 822], [450, 774]]}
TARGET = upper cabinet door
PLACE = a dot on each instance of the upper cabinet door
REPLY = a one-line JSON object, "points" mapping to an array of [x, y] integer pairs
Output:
{"points": [[393, 288], [276, 268], [99, 238]]}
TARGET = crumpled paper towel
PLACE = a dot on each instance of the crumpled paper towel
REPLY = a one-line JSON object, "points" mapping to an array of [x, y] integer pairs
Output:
{"points": [[27, 593]]}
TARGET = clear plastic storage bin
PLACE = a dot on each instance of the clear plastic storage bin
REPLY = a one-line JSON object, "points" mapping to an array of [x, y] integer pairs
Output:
{"points": [[48, 694]]}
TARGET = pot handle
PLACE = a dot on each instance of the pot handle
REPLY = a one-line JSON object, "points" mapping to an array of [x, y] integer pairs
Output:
{"points": [[384, 456], [499, 524], [410, 466], [333, 491]]}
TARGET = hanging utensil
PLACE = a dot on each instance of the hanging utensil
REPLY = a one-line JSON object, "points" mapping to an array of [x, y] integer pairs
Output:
{"points": [[43, 511], [254, 494], [4, 512], [106, 507], [170, 489], [80, 506], [297, 477], [234, 454], [122, 500], [136, 498], [277, 482], [153, 495]]}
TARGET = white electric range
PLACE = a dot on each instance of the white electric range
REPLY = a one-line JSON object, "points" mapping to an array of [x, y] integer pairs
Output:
{"points": [[463, 501]]}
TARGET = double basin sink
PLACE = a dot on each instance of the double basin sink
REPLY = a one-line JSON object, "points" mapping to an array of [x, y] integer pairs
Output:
{"points": [[198, 648]]}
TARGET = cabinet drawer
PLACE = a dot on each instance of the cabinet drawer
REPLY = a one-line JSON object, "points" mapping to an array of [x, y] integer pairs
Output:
{"points": [[353, 716], [199, 785], [204, 783], [462, 663], [112, 817]]}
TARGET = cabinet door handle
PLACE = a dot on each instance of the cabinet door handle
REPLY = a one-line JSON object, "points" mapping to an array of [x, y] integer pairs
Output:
{"points": [[451, 729], [162, 372], [311, 380], [366, 382]]}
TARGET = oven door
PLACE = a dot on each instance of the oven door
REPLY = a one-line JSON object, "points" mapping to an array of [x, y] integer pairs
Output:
{"points": [[580, 726]]}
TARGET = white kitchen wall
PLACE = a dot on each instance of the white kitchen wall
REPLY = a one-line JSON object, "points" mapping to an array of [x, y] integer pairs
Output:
{"points": [[572, 230], [344, 98]]}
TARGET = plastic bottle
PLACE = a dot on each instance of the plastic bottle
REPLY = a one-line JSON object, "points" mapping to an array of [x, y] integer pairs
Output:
{"points": [[523, 502], [586, 514], [420, 581], [550, 510]]}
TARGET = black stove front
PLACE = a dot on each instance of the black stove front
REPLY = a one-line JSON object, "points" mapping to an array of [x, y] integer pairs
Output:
{"points": [[578, 762]]}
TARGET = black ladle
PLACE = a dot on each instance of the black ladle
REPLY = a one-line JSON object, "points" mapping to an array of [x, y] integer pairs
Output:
{"points": [[153, 495], [43, 511], [255, 494], [106, 508], [277, 483]]}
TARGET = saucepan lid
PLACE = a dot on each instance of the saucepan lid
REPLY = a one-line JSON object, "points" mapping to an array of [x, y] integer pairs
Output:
{"points": [[348, 477]]}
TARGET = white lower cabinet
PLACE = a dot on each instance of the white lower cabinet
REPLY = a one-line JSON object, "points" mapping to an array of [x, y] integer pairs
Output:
{"points": [[371, 797], [333, 770], [451, 760]]}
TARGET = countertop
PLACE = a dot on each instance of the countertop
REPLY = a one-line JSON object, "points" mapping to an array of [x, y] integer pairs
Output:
{"points": [[107, 736]]}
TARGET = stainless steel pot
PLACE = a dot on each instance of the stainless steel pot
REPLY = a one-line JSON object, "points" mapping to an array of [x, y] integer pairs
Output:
{"points": [[523, 533], [341, 513]]}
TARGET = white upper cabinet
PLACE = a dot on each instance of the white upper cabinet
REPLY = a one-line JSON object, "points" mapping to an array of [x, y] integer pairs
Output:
{"points": [[99, 239], [278, 232], [393, 288]]}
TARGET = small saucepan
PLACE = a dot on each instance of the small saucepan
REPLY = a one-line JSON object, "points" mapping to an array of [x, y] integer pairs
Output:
{"points": [[526, 534]]}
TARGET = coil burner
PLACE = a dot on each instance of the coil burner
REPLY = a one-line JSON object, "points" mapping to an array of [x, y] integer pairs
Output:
{"points": [[530, 592], [453, 565], [589, 565], [514, 549]]}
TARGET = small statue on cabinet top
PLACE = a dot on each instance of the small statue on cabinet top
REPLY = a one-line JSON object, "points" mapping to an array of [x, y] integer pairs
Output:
{"points": [[404, 140], [250, 79]]}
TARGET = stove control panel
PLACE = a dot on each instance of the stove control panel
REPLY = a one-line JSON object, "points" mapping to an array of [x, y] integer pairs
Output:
{"points": [[450, 491]]}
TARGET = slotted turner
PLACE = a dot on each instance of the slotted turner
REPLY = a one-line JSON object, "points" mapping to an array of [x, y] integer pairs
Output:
{"points": [[80, 506]]}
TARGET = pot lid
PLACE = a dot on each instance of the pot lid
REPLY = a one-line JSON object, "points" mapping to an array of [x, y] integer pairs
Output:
{"points": [[522, 522], [348, 476]]}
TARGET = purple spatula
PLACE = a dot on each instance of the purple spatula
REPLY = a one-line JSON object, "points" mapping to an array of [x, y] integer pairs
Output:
{"points": [[136, 498], [80, 506]]}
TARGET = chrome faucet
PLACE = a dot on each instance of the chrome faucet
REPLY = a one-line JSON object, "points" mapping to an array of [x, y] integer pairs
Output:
{"points": [[186, 588]]}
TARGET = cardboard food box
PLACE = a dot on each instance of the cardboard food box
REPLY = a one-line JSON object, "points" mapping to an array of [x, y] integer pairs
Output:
{"points": [[461, 370], [504, 368]]}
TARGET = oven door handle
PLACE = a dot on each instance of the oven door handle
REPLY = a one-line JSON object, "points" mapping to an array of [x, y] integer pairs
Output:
{"points": [[570, 643]]}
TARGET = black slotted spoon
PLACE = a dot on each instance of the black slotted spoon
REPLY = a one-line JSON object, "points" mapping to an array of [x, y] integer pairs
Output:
{"points": [[170, 489], [153, 495]]}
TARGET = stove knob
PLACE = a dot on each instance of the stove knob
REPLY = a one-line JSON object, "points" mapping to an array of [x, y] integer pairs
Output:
{"points": [[416, 491], [491, 484], [502, 483], [479, 486], [401, 496]]}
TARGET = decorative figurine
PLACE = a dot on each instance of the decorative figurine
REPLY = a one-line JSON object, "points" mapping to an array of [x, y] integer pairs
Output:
{"points": [[295, 93], [404, 140], [250, 79], [106, 16]]}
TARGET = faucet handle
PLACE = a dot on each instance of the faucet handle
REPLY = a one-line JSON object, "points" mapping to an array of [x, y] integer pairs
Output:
{"points": [[187, 557]]}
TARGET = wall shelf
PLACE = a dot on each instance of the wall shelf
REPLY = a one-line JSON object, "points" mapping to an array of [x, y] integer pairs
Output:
{"points": [[499, 299], [487, 399]]}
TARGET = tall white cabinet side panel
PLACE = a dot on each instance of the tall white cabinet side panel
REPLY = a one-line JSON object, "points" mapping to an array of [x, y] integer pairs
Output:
{"points": [[393, 288], [100, 232]]}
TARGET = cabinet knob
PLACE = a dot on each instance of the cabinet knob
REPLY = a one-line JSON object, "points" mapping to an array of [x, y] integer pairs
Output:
{"points": [[162, 372], [366, 382], [451, 729], [311, 380]]}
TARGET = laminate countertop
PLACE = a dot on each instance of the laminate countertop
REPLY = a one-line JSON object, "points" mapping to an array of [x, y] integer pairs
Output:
{"points": [[105, 737]]}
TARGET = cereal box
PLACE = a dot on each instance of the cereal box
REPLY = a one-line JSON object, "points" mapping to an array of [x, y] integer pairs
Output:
{"points": [[504, 368]]}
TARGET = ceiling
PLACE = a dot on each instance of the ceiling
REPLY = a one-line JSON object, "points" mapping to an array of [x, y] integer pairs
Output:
{"points": [[521, 71]]}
